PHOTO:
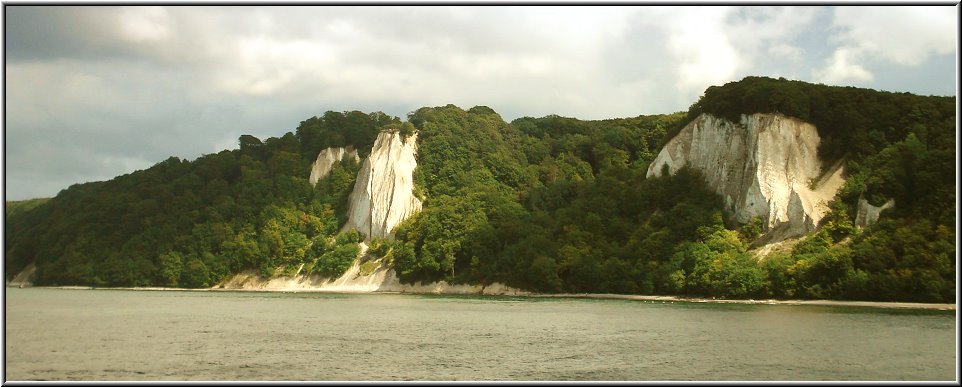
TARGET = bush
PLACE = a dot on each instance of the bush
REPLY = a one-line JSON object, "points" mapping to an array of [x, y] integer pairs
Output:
{"points": [[379, 247], [338, 258], [724, 268], [196, 275]]}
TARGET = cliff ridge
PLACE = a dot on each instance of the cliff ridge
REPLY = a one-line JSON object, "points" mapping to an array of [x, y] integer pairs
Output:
{"points": [[326, 159], [761, 166], [383, 194]]}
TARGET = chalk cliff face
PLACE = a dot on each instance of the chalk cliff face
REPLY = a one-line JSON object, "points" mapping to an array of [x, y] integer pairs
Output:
{"points": [[326, 159], [867, 214], [762, 166], [383, 194]]}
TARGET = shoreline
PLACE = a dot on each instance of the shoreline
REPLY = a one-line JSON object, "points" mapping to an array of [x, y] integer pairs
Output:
{"points": [[600, 296], [843, 303]]}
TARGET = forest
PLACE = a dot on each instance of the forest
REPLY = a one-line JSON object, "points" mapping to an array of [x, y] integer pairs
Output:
{"points": [[550, 204]]}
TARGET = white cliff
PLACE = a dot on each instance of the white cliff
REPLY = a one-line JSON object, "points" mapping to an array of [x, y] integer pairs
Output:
{"points": [[761, 166], [326, 159], [867, 214], [383, 194], [383, 197]]}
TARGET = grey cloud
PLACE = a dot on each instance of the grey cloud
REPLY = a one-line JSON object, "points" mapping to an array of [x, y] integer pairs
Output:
{"points": [[94, 92], [46, 33], [936, 77]]}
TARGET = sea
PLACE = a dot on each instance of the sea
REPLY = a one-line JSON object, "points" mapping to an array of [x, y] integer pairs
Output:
{"points": [[142, 335]]}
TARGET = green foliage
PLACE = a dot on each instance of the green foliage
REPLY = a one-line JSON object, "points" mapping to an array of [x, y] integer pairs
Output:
{"points": [[335, 129], [725, 268], [336, 261], [852, 122], [246, 209], [332, 193], [332, 256], [552, 204], [470, 169], [249, 143], [817, 268], [543, 275], [379, 247], [893, 260], [751, 230], [919, 176], [782, 281], [16, 207], [21, 217], [722, 266], [549, 204], [196, 274], [171, 268], [895, 146], [905, 259], [405, 129], [368, 268]]}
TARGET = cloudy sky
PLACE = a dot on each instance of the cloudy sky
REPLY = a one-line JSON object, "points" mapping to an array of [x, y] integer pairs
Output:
{"points": [[95, 92]]}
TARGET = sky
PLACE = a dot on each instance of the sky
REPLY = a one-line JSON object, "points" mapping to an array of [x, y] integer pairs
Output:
{"points": [[93, 92]]}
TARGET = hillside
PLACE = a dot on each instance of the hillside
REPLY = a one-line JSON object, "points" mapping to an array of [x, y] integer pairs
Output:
{"points": [[549, 204], [14, 207]]}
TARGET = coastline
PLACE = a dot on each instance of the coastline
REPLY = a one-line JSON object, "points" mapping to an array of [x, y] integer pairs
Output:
{"points": [[843, 303], [601, 296]]}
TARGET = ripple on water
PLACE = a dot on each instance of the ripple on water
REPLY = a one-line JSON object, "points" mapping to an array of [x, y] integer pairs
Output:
{"points": [[58, 334]]}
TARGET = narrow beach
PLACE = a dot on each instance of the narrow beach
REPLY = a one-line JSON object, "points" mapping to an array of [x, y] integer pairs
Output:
{"points": [[632, 297]]}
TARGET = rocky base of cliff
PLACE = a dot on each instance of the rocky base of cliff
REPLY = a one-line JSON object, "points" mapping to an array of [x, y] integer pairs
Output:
{"points": [[371, 276]]}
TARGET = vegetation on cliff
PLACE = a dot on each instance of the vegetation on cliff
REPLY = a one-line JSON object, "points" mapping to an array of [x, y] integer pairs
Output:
{"points": [[895, 146], [549, 204], [194, 223]]}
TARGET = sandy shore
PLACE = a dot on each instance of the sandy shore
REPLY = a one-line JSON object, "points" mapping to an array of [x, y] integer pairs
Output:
{"points": [[646, 298], [872, 304]]}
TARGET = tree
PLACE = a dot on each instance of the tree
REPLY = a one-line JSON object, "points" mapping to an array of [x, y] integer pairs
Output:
{"points": [[196, 275], [171, 268], [249, 143], [723, 267]]}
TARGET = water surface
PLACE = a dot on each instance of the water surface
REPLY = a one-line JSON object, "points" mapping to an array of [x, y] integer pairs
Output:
{"points": [[62, 334]]}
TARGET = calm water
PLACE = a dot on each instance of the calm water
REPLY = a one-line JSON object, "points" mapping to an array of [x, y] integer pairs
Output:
{"points": [[152, 335]]}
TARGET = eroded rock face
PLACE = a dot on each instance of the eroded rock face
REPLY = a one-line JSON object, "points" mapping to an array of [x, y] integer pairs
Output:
{"points": [[383, 194], [326, 159], [762, 166], [868, 214]]}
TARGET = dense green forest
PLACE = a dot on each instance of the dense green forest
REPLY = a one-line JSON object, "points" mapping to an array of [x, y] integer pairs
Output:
{"points": [[549, 204], [194, 223], [894, 145], [14, 208]]}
